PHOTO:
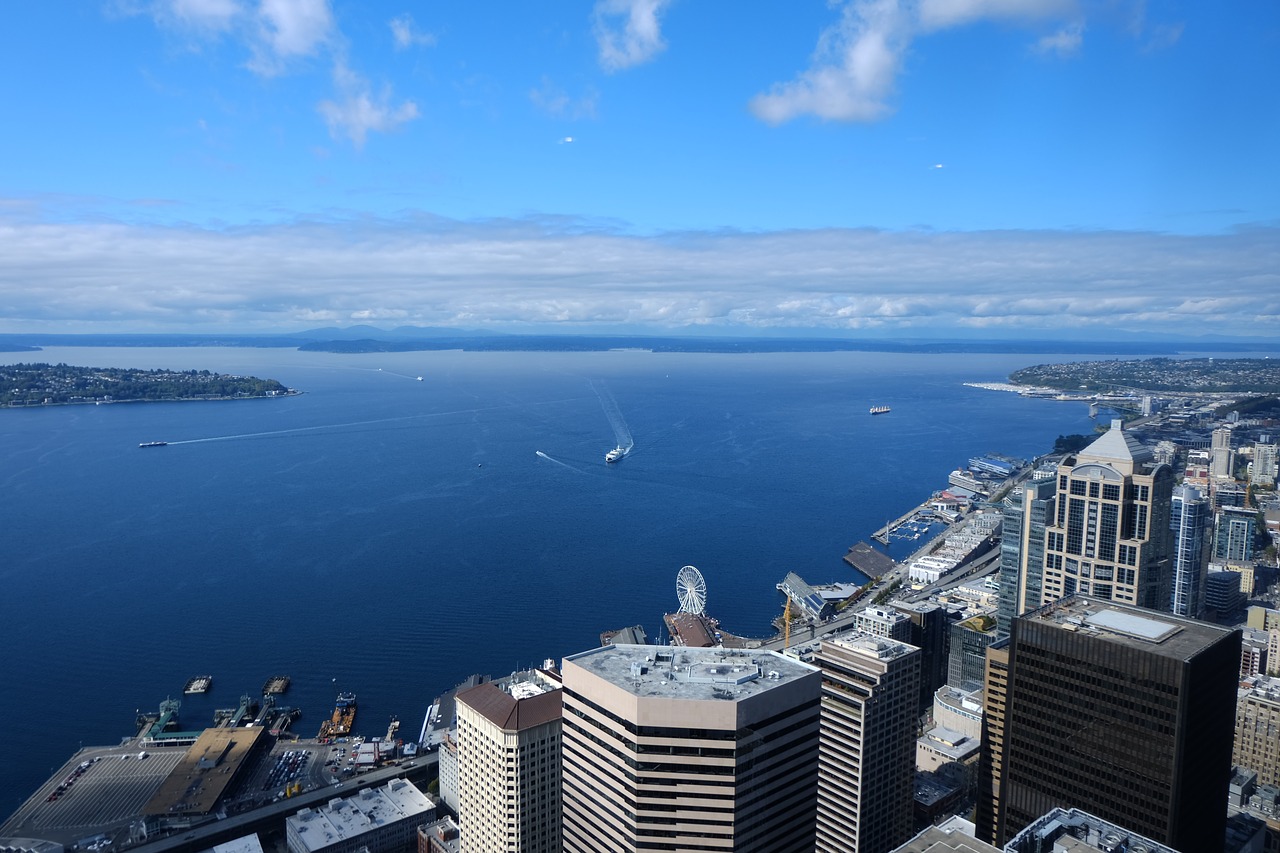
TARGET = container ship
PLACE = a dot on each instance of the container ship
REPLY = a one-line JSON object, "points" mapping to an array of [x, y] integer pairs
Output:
{"points": [[344, 717]]}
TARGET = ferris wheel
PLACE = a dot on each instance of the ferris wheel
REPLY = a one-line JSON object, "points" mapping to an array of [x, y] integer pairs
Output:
{"points": [[691, 589]]}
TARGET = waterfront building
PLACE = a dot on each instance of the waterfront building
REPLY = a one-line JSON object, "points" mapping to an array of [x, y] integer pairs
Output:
{"points": [[866, 769], [1233, 534], [969, 641], [1189, 521], [448, 771], [883, 622], [1026, 510], [1078, 831], [1262, 471], [1257, 730], [1110, 536], [1124, 712], [384, 818], [1223, 457], [689, 749], [509, 764]]}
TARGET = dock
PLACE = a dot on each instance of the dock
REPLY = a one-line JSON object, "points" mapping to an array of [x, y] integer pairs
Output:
{"points": [[276, 685]]}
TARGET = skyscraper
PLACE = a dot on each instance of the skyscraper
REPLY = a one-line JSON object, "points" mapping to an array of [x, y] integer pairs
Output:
{"points": [[1233, 534], [509, 765], [1263, 468], [1110, 534], [1026, 511], [689, 749], [1189, 521], [1123, 712], [866, 766], [1221, 454]]}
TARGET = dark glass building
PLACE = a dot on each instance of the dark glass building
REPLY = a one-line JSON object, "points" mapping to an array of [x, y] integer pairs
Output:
{"points": [[1123, 712]]}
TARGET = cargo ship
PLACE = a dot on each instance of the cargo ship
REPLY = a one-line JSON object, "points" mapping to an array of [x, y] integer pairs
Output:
{"points": [[153, 444], [344, 717]]}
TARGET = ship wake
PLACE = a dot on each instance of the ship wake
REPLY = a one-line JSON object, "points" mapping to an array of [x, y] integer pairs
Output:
{"points": [[621, 433]]}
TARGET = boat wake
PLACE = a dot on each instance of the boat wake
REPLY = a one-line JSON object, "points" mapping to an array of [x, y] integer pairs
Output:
{"points": [[558, 462], [611, 411]]}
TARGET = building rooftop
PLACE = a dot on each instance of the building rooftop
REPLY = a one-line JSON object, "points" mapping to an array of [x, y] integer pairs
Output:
{"points": [[517, 703], [368, 810], [210, 765], [879, 648], [946, 838], [1076, 831], [1135, 627], [1116, 446], [690, 673]]}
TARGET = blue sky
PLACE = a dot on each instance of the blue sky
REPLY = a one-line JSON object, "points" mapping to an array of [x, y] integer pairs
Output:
{"points": [[869, 167]]}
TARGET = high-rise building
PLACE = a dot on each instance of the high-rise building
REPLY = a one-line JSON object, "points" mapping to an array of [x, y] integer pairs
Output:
{"points": [[1189, 520], [995, 696], [689, 749], [509, 764], [1263, 468], [969, 641], [1233, 534], [929, 633], [866, 767], [1026, 510], [1110, 536], [1123, 712], [1224, 458], [1257, 733]]}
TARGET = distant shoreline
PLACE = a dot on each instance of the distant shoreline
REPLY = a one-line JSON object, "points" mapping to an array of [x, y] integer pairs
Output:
{"points": [[292, 392]]}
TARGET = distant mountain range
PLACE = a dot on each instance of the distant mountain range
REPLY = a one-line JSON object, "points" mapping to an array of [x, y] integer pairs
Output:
{"points": [[357, 339]]}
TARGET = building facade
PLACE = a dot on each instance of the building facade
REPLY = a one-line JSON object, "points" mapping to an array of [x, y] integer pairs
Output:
{"points": [[1257, 731], [881, 621], [1110, 534], [1026, 511], [866, 767], [1189, 521], [1233, 534], [509, 765], [689, 749], [1123, 712]]}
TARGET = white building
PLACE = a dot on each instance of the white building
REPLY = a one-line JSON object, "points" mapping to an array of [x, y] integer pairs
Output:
{"points": [[379, 819]]}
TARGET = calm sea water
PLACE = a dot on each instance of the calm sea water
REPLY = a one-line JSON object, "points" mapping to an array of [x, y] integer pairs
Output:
{"points": [[390, 536]]}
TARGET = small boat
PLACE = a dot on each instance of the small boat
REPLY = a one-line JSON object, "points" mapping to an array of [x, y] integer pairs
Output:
{"points": [[879, 410], [615, 454], [153, 444]]}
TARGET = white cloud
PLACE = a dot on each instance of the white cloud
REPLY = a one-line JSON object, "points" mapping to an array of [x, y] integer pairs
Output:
{"points": [[288, 30], [1065, 42], [406, 34], [853, 71], [556, 102], [941, 14], [211, 15], [516, 273], [357, 111], [628, 32]]}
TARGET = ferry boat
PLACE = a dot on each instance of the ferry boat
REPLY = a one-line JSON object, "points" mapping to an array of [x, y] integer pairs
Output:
{"points": [[615, 454], [879, 410], [153, 444], [199, 684]]}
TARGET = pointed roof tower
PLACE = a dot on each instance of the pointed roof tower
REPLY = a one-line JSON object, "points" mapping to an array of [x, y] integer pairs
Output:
{"points": [[1117, 448]]}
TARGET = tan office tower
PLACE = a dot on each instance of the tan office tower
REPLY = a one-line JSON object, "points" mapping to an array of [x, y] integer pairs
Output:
{"points": [[1110, 536], [509, 765], [866, 761], [689, 749]]}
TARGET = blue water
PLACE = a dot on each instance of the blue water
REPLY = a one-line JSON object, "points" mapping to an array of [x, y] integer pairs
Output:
{"points": [[389, 536]]}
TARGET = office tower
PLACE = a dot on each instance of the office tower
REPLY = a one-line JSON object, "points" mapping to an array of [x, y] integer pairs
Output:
{"points": [[1110, 535], [1233, 534], [689, 749], [1257, 732], [1263, 470], [1189, 520], [1223, 458], [1222, 595], [866, 766], [883, 622], [995, 697], [930, 634], [968, 660], [509, 764], [1123, 712], [1026, 510]]}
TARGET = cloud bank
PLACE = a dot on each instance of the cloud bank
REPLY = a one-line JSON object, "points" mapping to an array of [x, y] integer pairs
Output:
{"points": [[512, 274]]}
